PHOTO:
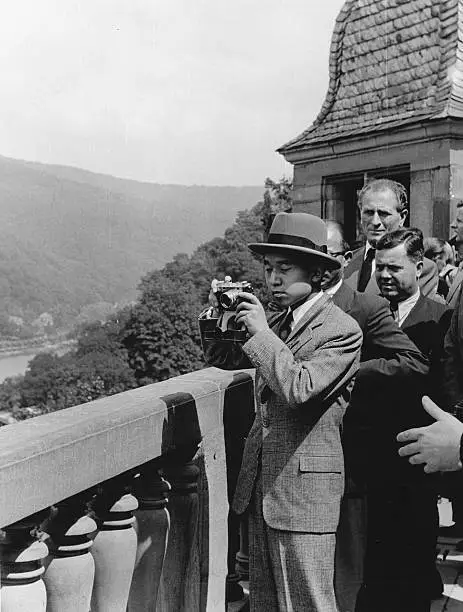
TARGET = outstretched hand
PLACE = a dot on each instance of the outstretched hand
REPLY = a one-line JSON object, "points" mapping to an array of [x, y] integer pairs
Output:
{"points": [[437, 445], [251, 313]]}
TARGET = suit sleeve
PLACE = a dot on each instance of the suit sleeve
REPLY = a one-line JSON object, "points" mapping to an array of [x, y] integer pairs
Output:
{"points": [[393, 353], [452, 364], [320, 375]]}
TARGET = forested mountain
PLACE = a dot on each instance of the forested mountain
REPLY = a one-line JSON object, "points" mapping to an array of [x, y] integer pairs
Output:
{"points": [[69, 237], [157, 336]]}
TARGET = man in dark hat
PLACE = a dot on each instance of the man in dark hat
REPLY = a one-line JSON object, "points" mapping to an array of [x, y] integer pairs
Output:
{"points": [[292, 474]]}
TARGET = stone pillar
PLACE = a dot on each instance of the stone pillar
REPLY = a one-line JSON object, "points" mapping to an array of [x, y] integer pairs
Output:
{"points": [[238, 416], [115, 545], [22, 553], [70, 569], [242, 556], [152, 526], [179, 590]]}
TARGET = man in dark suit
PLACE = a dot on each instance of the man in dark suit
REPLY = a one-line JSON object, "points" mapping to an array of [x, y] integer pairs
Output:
{"points": [[388, 359], [402, 503], [383, 208]]}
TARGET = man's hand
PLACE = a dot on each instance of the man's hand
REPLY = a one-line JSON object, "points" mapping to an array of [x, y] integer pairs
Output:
{"points": [[251, 313], [437, 445]]}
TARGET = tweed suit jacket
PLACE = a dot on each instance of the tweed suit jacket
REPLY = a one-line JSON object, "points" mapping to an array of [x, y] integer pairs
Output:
{"points": [[303, 388], [428, 281]]}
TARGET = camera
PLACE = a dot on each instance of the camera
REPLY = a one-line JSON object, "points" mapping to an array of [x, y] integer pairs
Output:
{"points": [[226, 293], [218, 327]]}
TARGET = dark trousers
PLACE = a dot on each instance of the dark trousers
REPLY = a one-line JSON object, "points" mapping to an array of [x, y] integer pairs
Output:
{"points": [[401, 549]]}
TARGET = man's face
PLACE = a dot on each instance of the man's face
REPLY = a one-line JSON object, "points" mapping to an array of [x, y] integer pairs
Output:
{"points": [[396, 274], [457, 225], [335, 247], [379, 214], [286, 280]]}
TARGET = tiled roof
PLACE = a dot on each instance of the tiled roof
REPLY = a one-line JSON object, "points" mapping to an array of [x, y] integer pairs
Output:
{"points": [[392, 62]]}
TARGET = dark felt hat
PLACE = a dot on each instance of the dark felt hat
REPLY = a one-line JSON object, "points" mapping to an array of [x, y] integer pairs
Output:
{"points": [[297, 234]]}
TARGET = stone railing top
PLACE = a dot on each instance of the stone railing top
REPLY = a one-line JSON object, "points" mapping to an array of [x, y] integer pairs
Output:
{"points": [[55, 456]]}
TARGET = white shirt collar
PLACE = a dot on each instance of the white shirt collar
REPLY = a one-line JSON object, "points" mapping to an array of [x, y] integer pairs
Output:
{"points": [[332, 290], [406, 306], [300, 311]]}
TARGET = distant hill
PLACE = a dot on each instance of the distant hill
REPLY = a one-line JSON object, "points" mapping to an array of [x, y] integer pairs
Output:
{"points": [[69, 237]]}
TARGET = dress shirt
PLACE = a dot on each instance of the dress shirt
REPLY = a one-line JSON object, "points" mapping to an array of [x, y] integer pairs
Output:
{"points": [[300, 311], [332, 290], [405, 307]]}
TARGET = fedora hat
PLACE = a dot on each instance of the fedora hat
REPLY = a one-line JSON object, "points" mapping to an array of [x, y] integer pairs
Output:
{"points": [[297, 234]]}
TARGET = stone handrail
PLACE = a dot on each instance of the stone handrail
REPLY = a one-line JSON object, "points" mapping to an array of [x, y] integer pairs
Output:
{"points": [[71, 482]]}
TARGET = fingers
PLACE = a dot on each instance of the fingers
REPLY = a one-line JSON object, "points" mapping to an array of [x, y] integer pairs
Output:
{"points": [[248, 297], [432, 408], [410, 449], [410, 434]]}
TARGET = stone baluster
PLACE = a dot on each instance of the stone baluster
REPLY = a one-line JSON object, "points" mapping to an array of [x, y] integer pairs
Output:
{"points": [[152, 526], [22, 552], [70, 568], [115, 545], [242, 556], [238, 416], [179, 589]]}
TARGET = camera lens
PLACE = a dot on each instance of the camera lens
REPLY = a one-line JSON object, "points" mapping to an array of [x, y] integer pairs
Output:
{"points": [[229, 299]]}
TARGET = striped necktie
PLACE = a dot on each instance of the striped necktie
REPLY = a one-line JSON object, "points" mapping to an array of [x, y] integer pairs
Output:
{"points": [[284, 328]]}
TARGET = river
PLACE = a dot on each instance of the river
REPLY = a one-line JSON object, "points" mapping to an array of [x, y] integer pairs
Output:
{"points": [[14, 364]]}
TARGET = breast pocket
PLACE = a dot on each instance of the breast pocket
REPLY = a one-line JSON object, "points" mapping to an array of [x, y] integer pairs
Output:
{"points": [[322, 477]]}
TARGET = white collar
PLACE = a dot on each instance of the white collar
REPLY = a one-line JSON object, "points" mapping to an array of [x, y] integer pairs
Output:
{"points": [[332, 290], [300, 311], [368, 246], [405, 307]]}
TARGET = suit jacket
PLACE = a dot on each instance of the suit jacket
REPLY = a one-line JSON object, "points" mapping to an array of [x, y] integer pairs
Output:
{"points": [[426, 325], [453, 359], [452, 295], [295, 438], [428, 281], [390, 362]]}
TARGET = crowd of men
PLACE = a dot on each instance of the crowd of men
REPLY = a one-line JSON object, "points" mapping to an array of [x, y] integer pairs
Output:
{"points": [[342, 515]]}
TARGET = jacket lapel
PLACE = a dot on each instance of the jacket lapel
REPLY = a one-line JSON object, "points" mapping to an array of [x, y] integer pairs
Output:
{"points": [[414, 314], [455, 285], [312, 319]]}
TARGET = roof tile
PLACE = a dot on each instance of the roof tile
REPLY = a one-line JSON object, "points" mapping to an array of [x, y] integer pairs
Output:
{"points": [[389, 63]]}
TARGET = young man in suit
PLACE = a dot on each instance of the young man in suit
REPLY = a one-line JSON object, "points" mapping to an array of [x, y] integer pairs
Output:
{"points": [[402, 503], [292, 474], [383, 208], [388, 359]]}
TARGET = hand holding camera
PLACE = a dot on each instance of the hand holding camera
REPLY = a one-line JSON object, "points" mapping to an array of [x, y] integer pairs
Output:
{"points": [[251, 313]]}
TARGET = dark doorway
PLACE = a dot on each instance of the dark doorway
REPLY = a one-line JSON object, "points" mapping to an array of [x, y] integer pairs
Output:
{"points": [[340, 194]]}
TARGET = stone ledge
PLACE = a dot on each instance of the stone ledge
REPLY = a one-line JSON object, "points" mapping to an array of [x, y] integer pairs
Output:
{"points": [[52, 457]]}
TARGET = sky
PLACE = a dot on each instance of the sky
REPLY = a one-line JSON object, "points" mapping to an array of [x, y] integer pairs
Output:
{"points": [[165, 91]]}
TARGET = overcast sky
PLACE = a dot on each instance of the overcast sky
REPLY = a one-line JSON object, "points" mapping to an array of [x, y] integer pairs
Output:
{"points": [[168, 91]]}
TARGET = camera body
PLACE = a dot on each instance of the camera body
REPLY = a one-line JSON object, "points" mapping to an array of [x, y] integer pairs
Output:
{"points": [[218, 328], [226, 293]]}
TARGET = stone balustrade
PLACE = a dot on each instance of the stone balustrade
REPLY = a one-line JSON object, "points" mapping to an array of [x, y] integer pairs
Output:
{"points": [[122, 504]]}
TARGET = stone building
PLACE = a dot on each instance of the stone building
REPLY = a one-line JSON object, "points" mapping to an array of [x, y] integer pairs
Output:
{"points": [[394, 108]]}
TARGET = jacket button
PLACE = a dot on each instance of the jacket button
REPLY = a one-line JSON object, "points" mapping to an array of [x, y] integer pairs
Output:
{"points": [[265, 421]]}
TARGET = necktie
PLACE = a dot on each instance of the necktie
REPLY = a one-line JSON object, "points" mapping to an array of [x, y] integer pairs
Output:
{"points": [[285, 326], [395, 311], [365, 272]]}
